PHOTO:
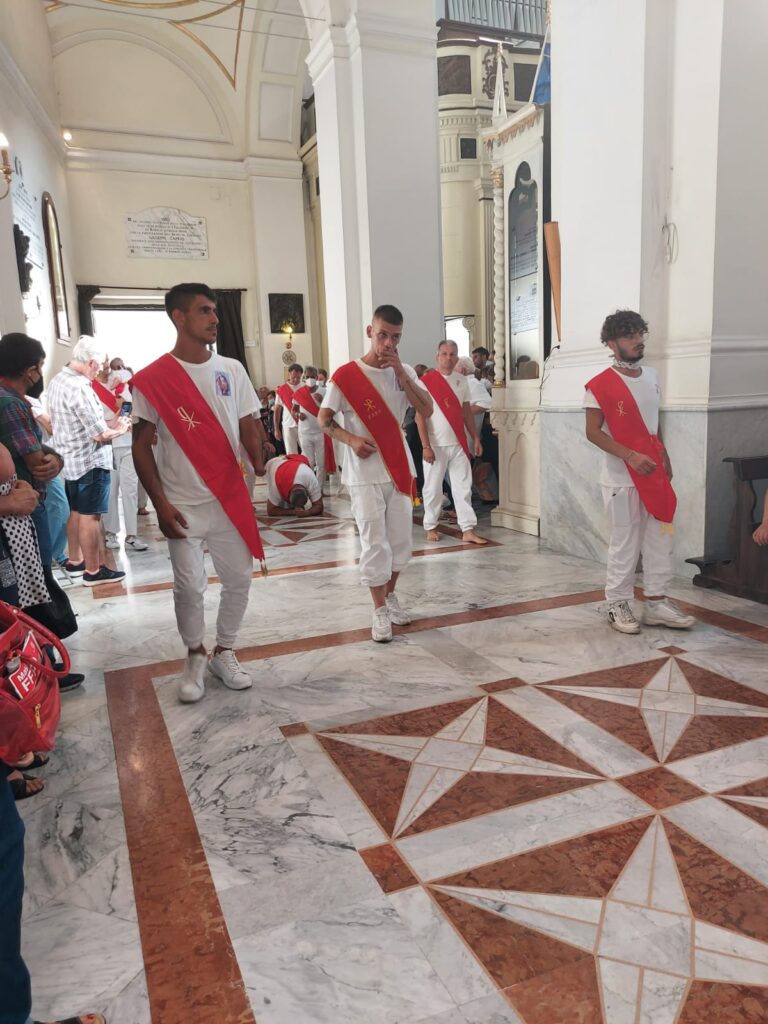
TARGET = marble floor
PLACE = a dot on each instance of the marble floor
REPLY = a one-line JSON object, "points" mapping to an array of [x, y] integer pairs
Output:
{"points": [[509, 815]]}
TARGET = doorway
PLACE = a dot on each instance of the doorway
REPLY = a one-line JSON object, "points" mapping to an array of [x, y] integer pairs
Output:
{"points": [[138, 336]]}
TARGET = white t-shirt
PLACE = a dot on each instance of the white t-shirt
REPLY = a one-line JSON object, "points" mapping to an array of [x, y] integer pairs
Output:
{"points": [[309, 424], [441, 433], [371, 470], [225, 386], [304, 478], [478, 395], [646, 391], [287, 420]]}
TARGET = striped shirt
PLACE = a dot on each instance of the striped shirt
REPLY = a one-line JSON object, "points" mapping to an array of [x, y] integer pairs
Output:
{"points": [[77, 418]]}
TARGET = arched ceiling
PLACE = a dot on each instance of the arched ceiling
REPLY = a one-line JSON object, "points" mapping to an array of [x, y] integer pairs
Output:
{"points": [[217, 78]]}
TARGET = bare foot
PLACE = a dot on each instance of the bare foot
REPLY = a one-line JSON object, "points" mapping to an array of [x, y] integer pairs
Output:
{"points": [[470, 537], [433, 535]]}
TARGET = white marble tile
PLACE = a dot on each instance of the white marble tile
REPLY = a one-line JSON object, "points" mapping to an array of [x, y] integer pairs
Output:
{"points": [[513, 830], [451, 959], [106, 888], [357, 963], [489, 1010], [648, 938], [728, 832], [722, 769], [661, 998], [131, 1005], [619, 984]]}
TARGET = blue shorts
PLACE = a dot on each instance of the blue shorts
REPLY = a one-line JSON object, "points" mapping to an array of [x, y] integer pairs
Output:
{"points": [[89, 494]]}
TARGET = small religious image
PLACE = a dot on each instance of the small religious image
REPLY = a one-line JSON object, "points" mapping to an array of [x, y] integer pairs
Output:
{"points": [[223, 387], [286, 313]]}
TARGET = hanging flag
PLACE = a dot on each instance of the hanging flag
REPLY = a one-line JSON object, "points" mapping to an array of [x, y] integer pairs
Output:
{"points": [[542, 86]]}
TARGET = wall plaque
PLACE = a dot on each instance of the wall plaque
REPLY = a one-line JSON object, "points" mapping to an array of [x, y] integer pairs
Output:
{"points": [[28, 216], [165, 233]]}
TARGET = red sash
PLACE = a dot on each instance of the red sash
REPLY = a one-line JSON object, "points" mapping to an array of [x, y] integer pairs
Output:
{"points": [[201, 437], [379, 421], [286, 394], [627, 426], [448, 404], [108, 398], [285, 474], [304, 397]]}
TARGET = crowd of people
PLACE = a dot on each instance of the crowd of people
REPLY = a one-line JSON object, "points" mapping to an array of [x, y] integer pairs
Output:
{"points": [[190, 434]]}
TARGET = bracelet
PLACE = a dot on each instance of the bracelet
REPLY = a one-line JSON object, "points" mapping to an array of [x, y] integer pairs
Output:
{"points": [[426, 447]]}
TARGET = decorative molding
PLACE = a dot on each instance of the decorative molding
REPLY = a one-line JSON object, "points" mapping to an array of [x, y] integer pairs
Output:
{"points": [[84, 160], [182, 27], [374, 32], [523, 119], [332, 44], [19, 86], [499, 284], [137, 39]]}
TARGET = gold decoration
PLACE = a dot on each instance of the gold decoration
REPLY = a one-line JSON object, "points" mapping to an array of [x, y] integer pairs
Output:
{"points": [[514, 130], [182, 27], [497, 177]]}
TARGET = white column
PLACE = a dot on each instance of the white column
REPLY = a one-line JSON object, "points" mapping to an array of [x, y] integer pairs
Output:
{"points": [[499, 317], [376, 99]]}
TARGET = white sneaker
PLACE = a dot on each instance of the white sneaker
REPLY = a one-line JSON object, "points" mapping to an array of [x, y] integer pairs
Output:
{"points": [[112, 541], [397, 615], [381, 627], [228, 669], [622, 618], [135, 544], [665, 613], [192, 682]]}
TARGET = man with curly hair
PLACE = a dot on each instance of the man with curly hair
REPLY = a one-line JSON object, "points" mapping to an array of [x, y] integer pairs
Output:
{"points": [[622, 407]]}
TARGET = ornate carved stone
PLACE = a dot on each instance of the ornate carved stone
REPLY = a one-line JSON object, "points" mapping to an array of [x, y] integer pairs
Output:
{"points": [[489, 74]]}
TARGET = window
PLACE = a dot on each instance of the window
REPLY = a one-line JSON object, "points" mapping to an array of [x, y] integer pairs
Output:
{"points": [[55, 269], [468, 149], [524, 76]]}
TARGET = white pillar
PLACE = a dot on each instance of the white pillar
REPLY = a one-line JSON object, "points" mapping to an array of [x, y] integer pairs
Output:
{"points": [[375, 85], [499, 317]]}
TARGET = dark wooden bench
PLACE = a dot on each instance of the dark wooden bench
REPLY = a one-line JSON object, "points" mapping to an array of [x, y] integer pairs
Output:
{"points": [[745, 572]]}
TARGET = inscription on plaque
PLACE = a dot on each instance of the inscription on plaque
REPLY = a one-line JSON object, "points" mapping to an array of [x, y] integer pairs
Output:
{"points": [[163, 232]]}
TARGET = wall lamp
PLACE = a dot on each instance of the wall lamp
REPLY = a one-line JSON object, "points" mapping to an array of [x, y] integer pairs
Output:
{"points": [[6, 165], [288, 327]]}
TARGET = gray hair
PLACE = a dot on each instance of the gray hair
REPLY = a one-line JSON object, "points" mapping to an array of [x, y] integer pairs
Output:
{"points": [[88, 350], [447, 341], [466, 366]]}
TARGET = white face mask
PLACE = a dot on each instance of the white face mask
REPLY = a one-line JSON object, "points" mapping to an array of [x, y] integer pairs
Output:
{"points": [[310, 381]]}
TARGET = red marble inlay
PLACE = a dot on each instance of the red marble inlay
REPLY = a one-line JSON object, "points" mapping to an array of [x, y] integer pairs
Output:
{"points": [[584, 866], [661, 788], [623, 722], [484, 792], [759, 787], [295, 729], [506, 730], [388, 868], [673, 650], [717, 890], [758, 814], [710, 1002], [625, 676], [503, 684], [421, 722], [711, 732], [378, 779], [568, 995], [710, 684], [509, 952]]}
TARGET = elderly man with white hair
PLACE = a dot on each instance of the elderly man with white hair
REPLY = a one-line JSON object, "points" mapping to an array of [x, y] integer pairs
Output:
{"points": [[83, 439]]}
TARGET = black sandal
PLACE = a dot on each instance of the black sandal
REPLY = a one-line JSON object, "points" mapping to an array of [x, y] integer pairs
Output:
{"points": [[38, 761], [21, 791]]}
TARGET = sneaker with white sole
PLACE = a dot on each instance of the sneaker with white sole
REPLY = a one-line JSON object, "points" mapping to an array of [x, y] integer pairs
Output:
{"points": [[228, 669], [622, 618], [112, 541], [397, 615], [665, 613], [192, 680], [381, 626], [104, 575], [135, 544]]}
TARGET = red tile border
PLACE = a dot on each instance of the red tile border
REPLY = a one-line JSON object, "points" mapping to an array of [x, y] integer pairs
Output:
{"points": [[388, 868], [296, 729], [191, 969], [673, 650]]}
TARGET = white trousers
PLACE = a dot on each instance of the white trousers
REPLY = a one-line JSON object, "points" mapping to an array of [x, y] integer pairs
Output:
{"points": [[634, 531], [291, 439], [450, 459], [125, 483], [384, 520], [209, 525], [313, 446]]}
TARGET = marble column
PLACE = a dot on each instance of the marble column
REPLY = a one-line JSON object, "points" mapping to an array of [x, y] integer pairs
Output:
{"points": [[498, 278]]}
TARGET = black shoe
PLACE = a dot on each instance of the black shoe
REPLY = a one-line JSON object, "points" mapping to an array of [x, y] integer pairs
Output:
{"points": [[71, 681], [73, 568], [104, 575]]}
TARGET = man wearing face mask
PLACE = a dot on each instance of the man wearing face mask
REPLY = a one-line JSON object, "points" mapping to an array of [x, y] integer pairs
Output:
{"points": [[82, 438], [315, 445], [286, 425], [622, 406]]}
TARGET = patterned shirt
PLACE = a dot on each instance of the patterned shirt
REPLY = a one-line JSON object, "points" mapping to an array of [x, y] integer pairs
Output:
{"points": [[77, 418], [19, 433]]}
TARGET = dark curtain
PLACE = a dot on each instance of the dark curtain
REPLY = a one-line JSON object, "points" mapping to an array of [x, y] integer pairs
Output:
{"points": [[229, 338], [86, 293]]}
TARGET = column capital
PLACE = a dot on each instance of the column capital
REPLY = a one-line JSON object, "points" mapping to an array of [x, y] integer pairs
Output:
{"points": [[332, 43], [497, 177]]}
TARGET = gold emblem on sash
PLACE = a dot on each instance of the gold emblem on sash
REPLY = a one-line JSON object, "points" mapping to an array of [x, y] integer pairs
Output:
{"points": [[620, 408], [188, 418], [370, 407]]}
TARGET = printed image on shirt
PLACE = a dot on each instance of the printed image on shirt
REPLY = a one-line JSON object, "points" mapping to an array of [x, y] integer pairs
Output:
{"points": [[223, 386]]}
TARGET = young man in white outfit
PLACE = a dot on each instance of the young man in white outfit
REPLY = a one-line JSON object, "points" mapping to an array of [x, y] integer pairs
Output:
{"points": [[311, 436], [286, 425], [190, 516], [633, 528], [445, 449], [373, 393]]}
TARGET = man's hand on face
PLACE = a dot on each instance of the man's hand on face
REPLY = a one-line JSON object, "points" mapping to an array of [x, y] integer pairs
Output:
{"points": [[362, 447], [24, 499], [391, 357]]}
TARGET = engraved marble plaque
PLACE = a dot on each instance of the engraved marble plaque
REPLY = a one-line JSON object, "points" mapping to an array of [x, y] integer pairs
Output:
{"points": [[163, 232]]}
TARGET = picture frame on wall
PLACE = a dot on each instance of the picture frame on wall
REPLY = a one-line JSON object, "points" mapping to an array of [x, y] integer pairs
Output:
{"points": [[286, 313]]}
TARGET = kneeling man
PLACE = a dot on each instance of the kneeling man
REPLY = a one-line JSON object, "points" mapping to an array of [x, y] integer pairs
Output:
{"points": [[292, 488]]}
